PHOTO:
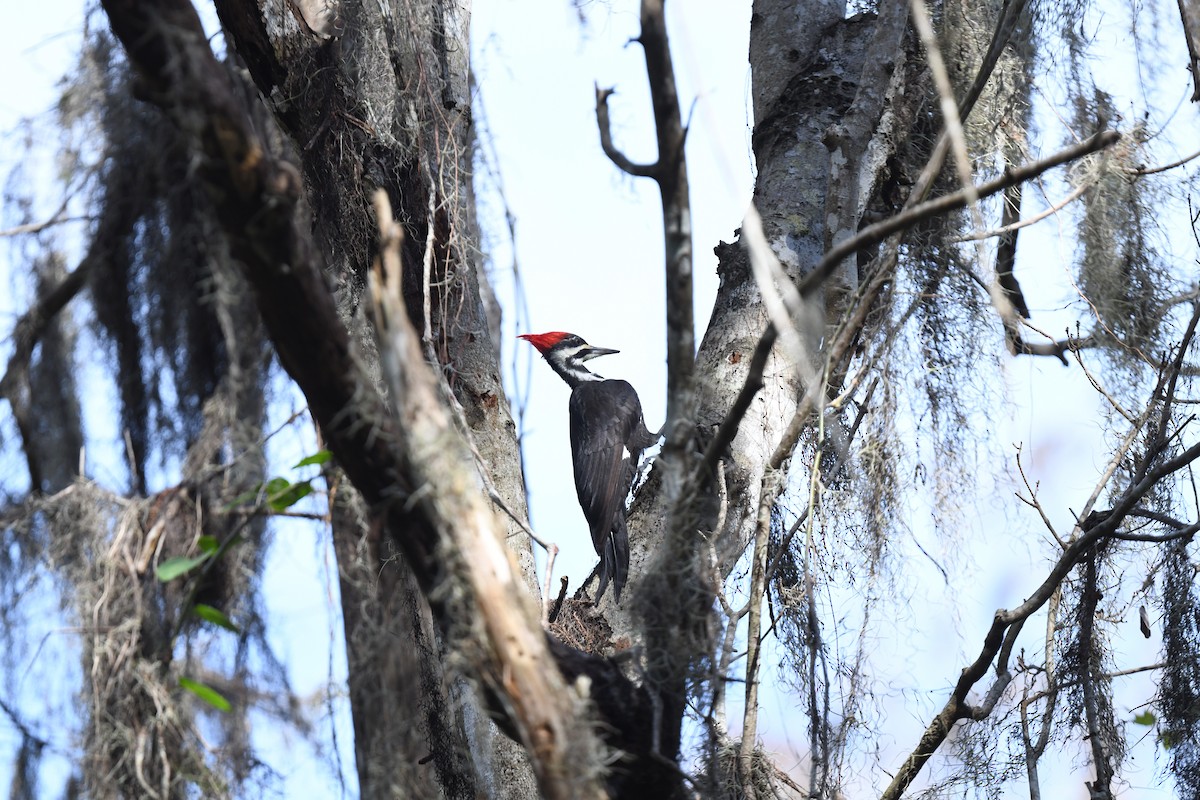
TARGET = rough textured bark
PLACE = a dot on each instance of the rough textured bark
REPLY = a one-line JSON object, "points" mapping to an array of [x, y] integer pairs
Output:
{"points": [[799, 96], [448, 537], [809, 66], [351, 108], [793, 173], [404, 725]]}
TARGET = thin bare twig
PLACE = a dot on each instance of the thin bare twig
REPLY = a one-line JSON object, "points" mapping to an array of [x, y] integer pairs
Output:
{"points": [[1034, 503], [720, 678], [741, 404], [38, 227], [1027, 221], [1163, 167], [17, 722], [1121, 673], [551, 555], [819, 742], [1182, 533], [1092, 529], [877, 232], [753, 642], [1095, 382], [670, 172], [871, 235]]}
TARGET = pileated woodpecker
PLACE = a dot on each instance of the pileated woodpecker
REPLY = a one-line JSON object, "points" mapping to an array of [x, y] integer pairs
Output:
{"points": [[608, 435]]}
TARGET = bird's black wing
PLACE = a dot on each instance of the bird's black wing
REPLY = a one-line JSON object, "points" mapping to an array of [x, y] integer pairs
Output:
{"points": [[604, 415]]}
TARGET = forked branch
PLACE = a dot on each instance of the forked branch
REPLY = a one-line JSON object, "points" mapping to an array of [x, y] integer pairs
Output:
{"points": [[670, 172], [623, 162], [33, 323]]}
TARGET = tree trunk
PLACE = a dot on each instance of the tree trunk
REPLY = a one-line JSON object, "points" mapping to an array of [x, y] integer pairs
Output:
{"points": [[811, 70], [386, 105]]}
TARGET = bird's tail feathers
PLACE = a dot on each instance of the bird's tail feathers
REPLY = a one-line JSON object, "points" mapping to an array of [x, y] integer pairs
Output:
{"points": [[619, 542], [614, 560], [605, 575]]}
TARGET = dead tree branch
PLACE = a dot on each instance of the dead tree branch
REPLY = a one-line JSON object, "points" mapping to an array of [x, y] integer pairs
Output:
{"points": [[670, 172], [1164, 167], [472, 539], [667, 662], [956, 707], [1077, 193], [33, 324], [873, 234], [38, 227], [623, 162]]}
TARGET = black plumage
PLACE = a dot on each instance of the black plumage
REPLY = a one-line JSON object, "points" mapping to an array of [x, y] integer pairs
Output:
{"points": [[608, 435]]}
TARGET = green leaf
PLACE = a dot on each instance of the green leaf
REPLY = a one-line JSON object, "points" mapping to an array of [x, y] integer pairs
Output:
{"points": [[1164, 738], [209, 544], [319, 457], [205, 693], [242, 499], [172, 568], [276, 485], [1145, 718], [213, 615], [289, 495]]}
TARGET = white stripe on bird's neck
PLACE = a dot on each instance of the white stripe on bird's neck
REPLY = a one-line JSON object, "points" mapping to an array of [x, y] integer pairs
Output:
{"points": [[571, 369]]}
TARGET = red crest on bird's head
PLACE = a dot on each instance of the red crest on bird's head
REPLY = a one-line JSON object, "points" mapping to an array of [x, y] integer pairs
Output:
{"points": [[544, 341]]}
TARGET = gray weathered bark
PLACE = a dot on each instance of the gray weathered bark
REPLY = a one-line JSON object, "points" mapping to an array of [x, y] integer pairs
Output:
{"points": [[799, 96], [350, 107]]}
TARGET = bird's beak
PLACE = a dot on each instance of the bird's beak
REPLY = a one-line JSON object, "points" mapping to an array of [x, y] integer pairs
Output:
{"points": [[596, 352]]}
